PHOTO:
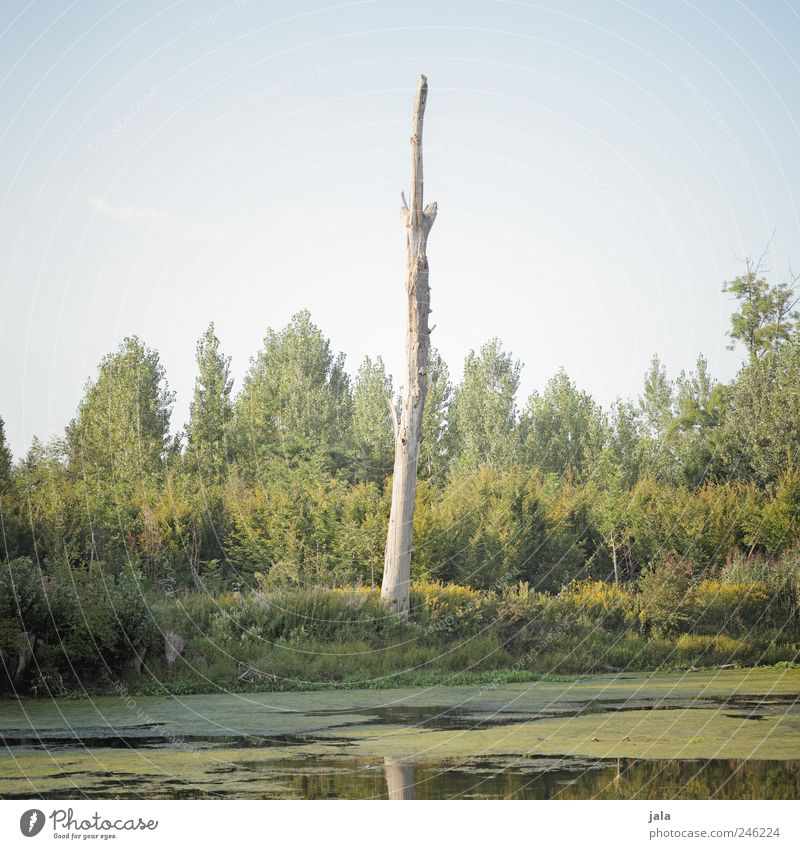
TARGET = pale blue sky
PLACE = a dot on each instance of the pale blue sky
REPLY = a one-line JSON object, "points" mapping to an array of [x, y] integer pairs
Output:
{"points": [[600, 168]]}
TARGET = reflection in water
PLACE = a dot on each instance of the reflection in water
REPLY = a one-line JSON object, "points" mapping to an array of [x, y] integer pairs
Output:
{"points": [[337, 777], [399, 778], [554, 778]]}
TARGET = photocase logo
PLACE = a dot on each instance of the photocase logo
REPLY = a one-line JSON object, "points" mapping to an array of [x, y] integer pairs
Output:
{"points": [[31, 822]]}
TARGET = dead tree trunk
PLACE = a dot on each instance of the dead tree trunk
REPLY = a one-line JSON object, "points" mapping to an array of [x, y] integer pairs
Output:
{"points": [[408, 431]]}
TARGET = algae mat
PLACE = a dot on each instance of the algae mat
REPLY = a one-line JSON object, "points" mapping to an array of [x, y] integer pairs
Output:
{"points": [[724, 733]]}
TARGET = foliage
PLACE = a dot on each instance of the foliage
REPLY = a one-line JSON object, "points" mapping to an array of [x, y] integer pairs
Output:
{"points": [[565, 430], [121, 432], [433, 454], [295, 400], [765, 314], [483, 414], [664, 596], [211, 410], [597, 603], [591, 536], [373, 434]]}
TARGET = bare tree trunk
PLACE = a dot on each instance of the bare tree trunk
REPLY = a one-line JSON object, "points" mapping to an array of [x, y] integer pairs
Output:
{"points": [[408, 432]]}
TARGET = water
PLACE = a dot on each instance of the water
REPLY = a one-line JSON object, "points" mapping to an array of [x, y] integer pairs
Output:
{"points": [[474, 778], [625, 737]]}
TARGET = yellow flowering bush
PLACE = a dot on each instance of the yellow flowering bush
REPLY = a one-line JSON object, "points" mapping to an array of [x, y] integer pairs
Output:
{"points": [[451, 608], [704, 650], [728, 608], [610, 606]]}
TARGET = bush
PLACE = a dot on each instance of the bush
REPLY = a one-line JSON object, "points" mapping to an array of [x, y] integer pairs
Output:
{"points": [[663, 595], [781, 579], [313, 614], [727, 608], [524, 619], [597, 604], [704, 650], [23, 609], [450, 609], [99, 621]]}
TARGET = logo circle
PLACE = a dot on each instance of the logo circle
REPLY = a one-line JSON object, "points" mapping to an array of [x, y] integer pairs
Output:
{"points": [[31, 822]]}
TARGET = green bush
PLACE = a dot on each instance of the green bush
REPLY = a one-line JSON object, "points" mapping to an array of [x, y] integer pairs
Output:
{"points": [[699, 650], [23, 608], [524, 619], [597, 604], [663, 596], [781, 578], [451, 610], [306, 614], [738, 610]]}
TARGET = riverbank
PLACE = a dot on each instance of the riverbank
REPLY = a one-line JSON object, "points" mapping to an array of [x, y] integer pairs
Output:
{"points": [[123, 640]]}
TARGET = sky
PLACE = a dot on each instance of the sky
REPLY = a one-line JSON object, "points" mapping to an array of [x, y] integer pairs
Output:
{"points": [[600, 169]]}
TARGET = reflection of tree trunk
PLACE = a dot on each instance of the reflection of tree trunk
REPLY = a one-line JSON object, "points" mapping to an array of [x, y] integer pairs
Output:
{"points": [[399, 778]]}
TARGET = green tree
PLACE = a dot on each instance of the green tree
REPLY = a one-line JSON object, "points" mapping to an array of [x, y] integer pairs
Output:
{"points": [[657, 407], [760, 434], [121, 432], [211, 409], [8, 525], [483, 416], [626, 446], [700, 407], [433, 456], [296, 399], [565, 430], [373, 431], [766, 315], [5, 459]]}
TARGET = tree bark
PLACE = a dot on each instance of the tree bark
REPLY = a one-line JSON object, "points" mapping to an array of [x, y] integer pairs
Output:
{"points": [[408, 433]]}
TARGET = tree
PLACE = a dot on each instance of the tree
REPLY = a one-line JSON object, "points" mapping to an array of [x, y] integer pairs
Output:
{"points": [[657, 407], [760, 434], [483, 415], [657, 400], [626, 449], [766, 314], [211, 409], [373, 435], [700, 406], [6, 530], [5, 459], [433, 456], [408, 432], [121, 431], [295, 400], [565, 430]]}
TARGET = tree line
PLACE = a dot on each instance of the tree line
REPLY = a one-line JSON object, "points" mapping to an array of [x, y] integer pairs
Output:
{"points": [[288, 480]]}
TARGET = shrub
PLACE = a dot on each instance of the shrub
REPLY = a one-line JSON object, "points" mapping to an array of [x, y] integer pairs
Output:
{"points": [[451, 609], [781, 578], [597, 603], [704, 650], [315, 613], [524, 619], [23, 608], [739, 609], [98, 621], [663, 594]]}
